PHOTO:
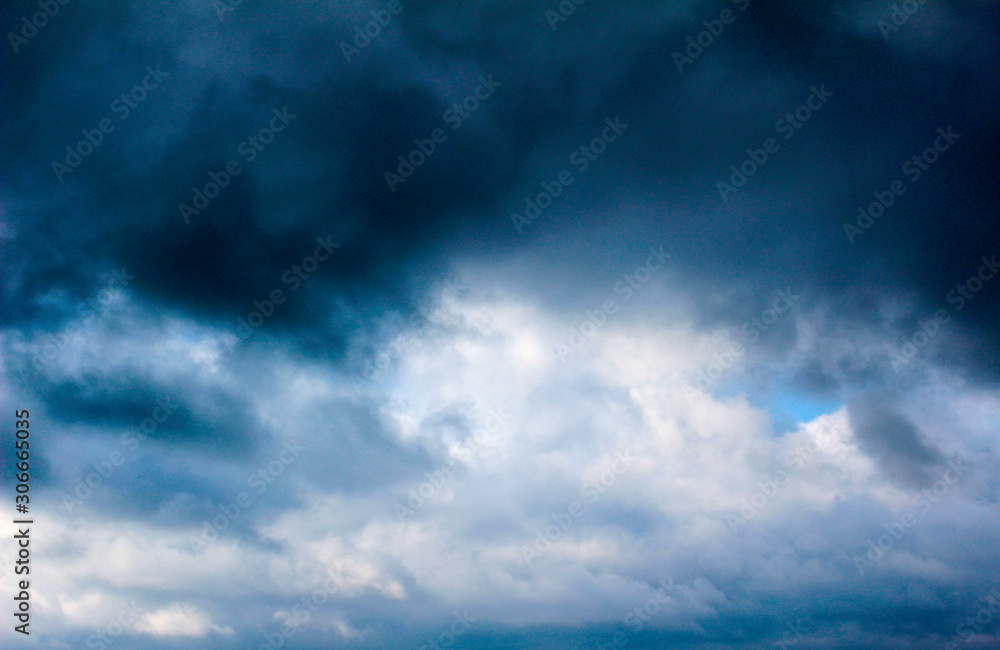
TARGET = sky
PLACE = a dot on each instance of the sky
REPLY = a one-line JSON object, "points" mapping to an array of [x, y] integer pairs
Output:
{"points": [[540, 324]]}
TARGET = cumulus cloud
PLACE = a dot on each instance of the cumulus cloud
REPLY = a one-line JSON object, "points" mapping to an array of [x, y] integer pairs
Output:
{"points": [[178, 620], [552, 387]]}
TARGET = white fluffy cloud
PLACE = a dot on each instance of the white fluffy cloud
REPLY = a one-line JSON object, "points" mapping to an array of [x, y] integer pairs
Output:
{"points": [[665, 470]]}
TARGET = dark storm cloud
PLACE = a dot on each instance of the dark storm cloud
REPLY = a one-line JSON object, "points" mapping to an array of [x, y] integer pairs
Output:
{"points": [[354, 119], [323, 176], [777, 230], [895, 443], [116, 398]]}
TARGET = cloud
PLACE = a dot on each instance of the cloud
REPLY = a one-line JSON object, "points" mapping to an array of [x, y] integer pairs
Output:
{"points": [[895, 443], [437, 394], [179, 620]]}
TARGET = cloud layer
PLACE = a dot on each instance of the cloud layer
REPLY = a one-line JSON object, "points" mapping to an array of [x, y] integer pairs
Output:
{"points": [[545, 325]]}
